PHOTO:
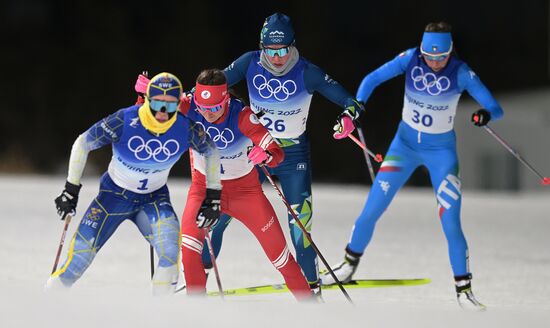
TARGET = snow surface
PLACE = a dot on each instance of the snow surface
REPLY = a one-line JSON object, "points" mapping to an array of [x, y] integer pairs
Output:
{"points": [[508, 236]]}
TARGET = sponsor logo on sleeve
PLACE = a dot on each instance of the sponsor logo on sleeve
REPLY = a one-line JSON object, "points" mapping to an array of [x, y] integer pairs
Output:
{"points": [[108, 130], [385, 185], [134, 122]]}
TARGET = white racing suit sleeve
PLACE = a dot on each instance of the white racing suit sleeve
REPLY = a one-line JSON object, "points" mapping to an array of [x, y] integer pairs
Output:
{"points": [[77, 161], [213, 165], [201, 142]]}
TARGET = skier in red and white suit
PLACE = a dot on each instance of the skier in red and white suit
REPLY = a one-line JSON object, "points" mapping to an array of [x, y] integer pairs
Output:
{"points": [[242, 142]]}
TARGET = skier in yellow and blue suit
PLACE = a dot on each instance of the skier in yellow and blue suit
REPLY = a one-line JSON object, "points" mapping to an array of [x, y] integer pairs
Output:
{"points": [[147, 140]]}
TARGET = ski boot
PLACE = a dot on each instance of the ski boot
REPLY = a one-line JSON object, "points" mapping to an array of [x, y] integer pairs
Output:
{"points": [[465, 296], [316, 291], [343, 271]]}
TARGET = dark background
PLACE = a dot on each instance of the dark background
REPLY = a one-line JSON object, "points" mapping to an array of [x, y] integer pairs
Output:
{"points": [[67, 64]]}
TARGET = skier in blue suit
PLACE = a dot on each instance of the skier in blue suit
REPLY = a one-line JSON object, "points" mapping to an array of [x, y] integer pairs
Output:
{"points": [[147, 140], [281, 84], [434, 82]]}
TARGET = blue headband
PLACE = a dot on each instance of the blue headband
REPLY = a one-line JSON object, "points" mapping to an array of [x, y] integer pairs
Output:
{"points": [[437, 43]]}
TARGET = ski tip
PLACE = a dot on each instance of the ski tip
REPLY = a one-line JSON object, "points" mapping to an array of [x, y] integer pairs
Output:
{"points": [[545, 181], [379, 158]]}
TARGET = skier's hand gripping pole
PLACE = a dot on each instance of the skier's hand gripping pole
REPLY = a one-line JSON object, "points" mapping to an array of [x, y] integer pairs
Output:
{"points": [[141, 86], [213, 259], [545, 181], [304, 231]]}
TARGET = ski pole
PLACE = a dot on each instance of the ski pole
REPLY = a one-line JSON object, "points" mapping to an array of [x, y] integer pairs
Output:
{"points": [[152, 260], [544, 180], [213, 259], [61, 242], [376, 157], [306, 234], [367, 158]]}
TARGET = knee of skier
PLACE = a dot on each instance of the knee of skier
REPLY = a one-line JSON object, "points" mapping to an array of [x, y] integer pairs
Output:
{"points": [[304, 214], [219, 228], [191, 247], [166, 244], [282, 260], [167, 252]]}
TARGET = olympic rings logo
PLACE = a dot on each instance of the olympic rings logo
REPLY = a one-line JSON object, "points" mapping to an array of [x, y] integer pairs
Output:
{"points": [[274, 87], [222, 138], [429, 82], [153, 148]]}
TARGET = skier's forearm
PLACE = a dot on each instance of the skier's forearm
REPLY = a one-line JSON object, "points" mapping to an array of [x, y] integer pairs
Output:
{"points": [[77, 161], [212, 173]]}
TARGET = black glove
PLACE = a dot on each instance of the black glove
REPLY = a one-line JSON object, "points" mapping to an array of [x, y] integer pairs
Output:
{"points": [[481, 117], [209, 213], [66, 202], [353, 109]]}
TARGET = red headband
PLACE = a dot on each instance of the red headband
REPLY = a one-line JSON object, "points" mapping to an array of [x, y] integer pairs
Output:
{"points": [[210, 95]]}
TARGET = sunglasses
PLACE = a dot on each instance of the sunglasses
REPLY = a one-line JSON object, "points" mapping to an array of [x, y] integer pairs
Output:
{"points": [[159, 105], [437, 58], [279, 52], [211, 108]]}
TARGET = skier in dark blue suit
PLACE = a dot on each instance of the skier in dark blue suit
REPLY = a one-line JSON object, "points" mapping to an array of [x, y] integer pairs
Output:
{"points": [[281, 84]]}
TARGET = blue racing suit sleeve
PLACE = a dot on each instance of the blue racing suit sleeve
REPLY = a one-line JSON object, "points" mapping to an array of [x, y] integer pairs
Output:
{"points": [[107, 131], [469, 81], [316, 79], [236, 71], [389, 70]]}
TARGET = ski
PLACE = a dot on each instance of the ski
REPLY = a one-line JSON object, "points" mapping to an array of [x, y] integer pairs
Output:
{"points": [[354, 284]]}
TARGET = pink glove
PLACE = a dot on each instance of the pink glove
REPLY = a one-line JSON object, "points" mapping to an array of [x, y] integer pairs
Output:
{"points": [[258, 156], [141, 84], [344, 127]]}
